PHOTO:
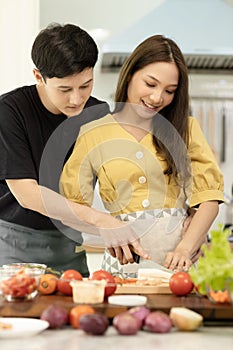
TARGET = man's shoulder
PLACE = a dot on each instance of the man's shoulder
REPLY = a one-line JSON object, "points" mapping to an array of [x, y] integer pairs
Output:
{"points": [[97, 107], [17, 94], [92, 101]]}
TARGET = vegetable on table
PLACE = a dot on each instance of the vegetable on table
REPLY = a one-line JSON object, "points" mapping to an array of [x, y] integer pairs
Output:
{"points": [[185, 319], [63, 284], [48, 283], [214, 270], [57, 316], [180, 283], [111, 286], [95, 324], [77, 312]]}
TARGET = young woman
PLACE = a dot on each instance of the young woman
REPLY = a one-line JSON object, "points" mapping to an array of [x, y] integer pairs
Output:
{"points": [[151, 159]]}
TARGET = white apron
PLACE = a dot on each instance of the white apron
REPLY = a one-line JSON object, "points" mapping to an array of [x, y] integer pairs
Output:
{"points": [[161, 231]]}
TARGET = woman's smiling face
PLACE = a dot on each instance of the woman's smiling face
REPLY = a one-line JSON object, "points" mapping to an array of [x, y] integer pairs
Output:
{"points": [[152, 88]]}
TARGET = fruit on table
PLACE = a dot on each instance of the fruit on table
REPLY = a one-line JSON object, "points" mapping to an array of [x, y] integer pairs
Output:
{"points": [[180, 283], [48, 284], [63, 284], [185, 319], [105, 275], [158, 322], [77, 312], [55, 315], [96, 323]]}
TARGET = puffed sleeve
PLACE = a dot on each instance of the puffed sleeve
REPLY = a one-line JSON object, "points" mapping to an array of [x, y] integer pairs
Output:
{"points": [[76, 181], [207, 178]]}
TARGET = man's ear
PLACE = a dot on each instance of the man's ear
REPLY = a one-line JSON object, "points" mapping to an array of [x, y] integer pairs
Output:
{"points": [[38, 76]]}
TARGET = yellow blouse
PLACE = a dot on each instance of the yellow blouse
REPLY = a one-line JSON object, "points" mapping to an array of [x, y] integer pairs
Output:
{"points": [[130, 173]]}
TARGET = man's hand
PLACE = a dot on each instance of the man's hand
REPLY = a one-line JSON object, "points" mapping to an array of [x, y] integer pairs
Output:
{"points": [[121, 242], [124, 253]]}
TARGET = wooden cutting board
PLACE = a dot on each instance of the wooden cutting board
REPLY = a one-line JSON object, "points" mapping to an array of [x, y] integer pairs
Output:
{"points": [[163, 302], [162, 288]]}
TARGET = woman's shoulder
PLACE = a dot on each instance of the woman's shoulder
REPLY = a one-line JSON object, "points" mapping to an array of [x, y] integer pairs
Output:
{"points": [[193, 125], [96, 124]]}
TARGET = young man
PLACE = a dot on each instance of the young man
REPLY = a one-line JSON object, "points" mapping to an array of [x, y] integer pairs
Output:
{"points": [[30, 116]]}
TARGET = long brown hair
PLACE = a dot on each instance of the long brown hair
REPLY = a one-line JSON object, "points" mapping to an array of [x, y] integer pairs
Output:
{"points": [[170, 145]]}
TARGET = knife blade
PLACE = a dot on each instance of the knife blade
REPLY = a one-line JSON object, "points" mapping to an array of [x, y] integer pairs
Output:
{"points": [[149, 263], [143, 267]]}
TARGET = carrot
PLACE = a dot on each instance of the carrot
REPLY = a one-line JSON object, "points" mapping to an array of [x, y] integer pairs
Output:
{"points": [[220, 296], [48, 283]]}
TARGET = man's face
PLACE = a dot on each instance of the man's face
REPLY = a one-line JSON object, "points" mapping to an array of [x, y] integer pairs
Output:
{"points": [[65, 95]]}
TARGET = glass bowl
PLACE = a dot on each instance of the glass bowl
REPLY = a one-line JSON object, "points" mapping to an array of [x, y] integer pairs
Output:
{"points": [[20, 281], [222, 296], [31, 266]]}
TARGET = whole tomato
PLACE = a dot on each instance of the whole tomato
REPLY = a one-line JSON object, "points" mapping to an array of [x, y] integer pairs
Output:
{"points": [[63, 284], [180, 283], [105, 275]]}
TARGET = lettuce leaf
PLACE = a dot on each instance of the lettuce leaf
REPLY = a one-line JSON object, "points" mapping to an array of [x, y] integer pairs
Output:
{"points": [[214, 270]]}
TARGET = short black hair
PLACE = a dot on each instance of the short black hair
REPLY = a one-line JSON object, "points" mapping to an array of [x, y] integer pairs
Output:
{"points": [[63, 50]]}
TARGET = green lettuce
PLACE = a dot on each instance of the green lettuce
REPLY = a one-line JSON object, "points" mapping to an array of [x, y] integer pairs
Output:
{"points": [[214, 270]]}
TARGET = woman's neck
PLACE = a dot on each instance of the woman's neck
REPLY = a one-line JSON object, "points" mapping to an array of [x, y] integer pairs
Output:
{"points": [[135, 125]]}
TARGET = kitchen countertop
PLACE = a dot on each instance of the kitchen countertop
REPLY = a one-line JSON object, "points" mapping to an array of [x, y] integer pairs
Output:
{"points": [[213, 338], [215, 334]]}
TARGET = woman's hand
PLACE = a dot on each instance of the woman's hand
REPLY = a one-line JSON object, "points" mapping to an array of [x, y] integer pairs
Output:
{"points": [[178, 260]]}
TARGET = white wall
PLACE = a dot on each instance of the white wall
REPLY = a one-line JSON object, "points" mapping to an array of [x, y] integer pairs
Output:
{"points": [[19, 23]]}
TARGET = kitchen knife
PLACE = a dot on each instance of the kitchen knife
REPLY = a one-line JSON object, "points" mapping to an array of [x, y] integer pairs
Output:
{"points": [[143, 266], [149, 263]]}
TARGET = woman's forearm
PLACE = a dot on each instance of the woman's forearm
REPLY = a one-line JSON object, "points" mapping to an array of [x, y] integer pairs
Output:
{"points": [[198, 228]]}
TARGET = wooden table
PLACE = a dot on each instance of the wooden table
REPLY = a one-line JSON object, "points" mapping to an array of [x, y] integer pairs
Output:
{"points": [[211, 312]]}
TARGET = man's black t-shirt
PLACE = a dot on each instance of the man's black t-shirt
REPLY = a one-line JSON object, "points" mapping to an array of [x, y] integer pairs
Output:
{"points": [[34, 144]]}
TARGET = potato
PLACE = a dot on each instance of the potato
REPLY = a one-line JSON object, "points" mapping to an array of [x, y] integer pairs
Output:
{"points": [[185, 319]]}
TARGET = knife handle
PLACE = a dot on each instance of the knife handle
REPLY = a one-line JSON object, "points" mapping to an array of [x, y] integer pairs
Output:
{"points": [[136, 257]]}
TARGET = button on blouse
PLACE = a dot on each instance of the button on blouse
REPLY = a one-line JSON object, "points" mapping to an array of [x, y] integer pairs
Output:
{"points": [[139, 155], [142, 180], [145, 203]]}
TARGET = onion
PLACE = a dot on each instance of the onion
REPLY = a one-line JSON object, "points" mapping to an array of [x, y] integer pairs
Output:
{"points": [[96, 323], [139, 312], [56, 316], [158, 322], [185, 319], [126, 324]]}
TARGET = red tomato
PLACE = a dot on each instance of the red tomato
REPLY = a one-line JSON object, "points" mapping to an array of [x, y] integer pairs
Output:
{"points": [[105, 275], [63, 284], [180, 283]]}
